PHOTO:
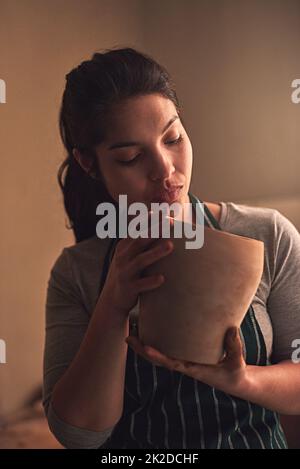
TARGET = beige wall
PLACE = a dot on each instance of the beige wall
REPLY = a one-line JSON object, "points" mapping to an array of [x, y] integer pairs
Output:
{"points": [[233, 62], [40, 41]]}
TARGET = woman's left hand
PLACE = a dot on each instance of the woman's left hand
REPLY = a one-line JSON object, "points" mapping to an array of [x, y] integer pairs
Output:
{"points": [[229, 375]]}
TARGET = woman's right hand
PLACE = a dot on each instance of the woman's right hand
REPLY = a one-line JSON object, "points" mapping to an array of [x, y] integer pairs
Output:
{"points": [[124, 281]]}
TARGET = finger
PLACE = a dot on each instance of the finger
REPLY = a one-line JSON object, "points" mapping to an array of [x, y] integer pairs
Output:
{"points": [[139, 348], [152, 354], [160, 357], [135, 343], [130, 247], [161, 224], [149, 283], [134, 245], [233, 345], [162, 249], [169, 362]]}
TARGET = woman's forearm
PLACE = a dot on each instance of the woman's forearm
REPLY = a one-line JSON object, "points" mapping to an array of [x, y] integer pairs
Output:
{"points": [[276, 387], [90, 393]]}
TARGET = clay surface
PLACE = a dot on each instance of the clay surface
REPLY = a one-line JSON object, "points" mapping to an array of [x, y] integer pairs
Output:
{"points": [[206, 291]]}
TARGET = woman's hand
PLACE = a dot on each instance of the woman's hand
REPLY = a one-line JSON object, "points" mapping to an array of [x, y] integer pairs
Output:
{"points": [[125, 279], [229, 375]]}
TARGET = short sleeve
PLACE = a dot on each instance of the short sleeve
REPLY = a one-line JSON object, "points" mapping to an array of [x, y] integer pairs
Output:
{"points": [[66, 323], [283, 303]]}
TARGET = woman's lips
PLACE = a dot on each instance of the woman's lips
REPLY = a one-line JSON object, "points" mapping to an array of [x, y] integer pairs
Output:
{"points": [[168, 196]]}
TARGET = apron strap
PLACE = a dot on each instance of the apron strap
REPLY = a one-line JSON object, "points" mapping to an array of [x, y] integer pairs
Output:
{"points": [[208, 216]]}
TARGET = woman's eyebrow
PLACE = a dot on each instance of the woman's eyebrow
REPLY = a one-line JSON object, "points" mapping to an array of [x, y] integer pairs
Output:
{"points": [[131, 144]]}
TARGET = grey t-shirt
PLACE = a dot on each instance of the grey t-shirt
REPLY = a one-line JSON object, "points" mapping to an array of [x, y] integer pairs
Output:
{"points": [[73, 290]]}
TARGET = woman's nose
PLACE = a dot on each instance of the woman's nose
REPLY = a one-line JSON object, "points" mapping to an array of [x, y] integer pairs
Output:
{"points": [[161, 167]]}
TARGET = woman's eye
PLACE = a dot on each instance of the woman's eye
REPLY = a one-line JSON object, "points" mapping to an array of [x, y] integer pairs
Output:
{"points": [[177, 140], [133, 160]]}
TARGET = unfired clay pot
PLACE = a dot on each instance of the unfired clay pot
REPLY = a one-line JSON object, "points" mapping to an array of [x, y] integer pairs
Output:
{"points": [[205, 292]]}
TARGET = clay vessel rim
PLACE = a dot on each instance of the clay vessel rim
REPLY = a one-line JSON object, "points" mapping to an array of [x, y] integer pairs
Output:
{"points": [[232, 235], [226, 234]]}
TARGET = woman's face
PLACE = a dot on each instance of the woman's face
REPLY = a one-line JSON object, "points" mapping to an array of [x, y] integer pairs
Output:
{"points": [[146, 151]]}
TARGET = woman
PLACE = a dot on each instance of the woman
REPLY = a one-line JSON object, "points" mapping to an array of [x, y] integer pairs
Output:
{"points": [[122, 127]]}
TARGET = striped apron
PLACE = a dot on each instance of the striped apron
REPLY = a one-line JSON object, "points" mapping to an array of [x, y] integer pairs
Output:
{"points": [[168, 409]]}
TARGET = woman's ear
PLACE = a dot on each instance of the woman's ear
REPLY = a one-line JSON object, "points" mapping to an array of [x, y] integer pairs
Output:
{"points": [[84, 162]]}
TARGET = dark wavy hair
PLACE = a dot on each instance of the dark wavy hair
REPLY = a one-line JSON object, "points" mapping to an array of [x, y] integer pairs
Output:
{"points": [[92, 88]]}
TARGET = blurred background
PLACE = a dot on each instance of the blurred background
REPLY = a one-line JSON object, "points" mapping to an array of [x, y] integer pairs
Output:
{"points": [[233, 62]]}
